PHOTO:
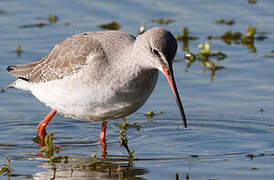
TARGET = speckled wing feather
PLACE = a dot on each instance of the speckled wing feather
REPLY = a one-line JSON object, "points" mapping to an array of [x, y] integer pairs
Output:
{"points": [[66, 58]]}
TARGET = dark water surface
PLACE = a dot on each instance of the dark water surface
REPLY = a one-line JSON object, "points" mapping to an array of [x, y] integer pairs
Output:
{"points": [[226, 126]]}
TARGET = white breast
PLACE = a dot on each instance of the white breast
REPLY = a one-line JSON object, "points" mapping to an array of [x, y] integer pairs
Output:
{"points": [[78, 97]]}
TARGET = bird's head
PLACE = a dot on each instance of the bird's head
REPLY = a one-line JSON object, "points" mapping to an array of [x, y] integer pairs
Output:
{"points": [[158, 48]]}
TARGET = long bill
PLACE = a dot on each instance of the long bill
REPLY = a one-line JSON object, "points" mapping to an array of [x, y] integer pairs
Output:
{"points": [[168, 72]]}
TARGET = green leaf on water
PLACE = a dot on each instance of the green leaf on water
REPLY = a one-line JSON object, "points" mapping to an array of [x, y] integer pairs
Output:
{"points": [[228, 22], [251, 31], [94, 157], [110, 26], [150, 114], [49, 147], [124, 143], [52, 18], [124, 125], [162, 21], [5, 169], [19, 50], [185, 35], [185, 38], [205, 48], [142, 29]]}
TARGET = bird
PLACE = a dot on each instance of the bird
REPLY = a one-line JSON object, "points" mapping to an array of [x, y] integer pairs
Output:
{"points": [[99, 75]]}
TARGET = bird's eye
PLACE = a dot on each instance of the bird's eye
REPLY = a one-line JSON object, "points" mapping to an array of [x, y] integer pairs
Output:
{"points": [[156, 52]]}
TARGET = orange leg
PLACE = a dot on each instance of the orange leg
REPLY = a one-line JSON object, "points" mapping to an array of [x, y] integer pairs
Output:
{"points": [[102, 138], [41, 128], [103, 148]]}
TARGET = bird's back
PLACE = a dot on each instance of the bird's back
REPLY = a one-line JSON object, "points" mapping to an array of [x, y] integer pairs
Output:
{"points": [[70, 55]]}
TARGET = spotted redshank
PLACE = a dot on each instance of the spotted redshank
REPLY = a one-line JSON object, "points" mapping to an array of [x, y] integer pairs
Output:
{"points": [[99, 76]]}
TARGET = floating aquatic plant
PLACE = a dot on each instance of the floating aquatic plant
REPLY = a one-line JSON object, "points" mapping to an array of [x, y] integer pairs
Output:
{"points": [[205, 58], [110, 26], [124, 143], [162, 21], [250, 155], [185, 38], [94, 157], [142, 29], [125, 125], [52, 19], [19, 50], [246, 39], [48, 149], [261, 110], [150, 114], [6, 169], [39, 25], [228, 22], [252, 1]]}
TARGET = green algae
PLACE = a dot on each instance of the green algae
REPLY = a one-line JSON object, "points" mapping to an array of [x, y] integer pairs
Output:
{"points": [[162, 21], [110, 26]]}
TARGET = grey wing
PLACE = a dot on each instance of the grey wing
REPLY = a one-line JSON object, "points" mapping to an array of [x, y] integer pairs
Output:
{"points": [[66, 58]]}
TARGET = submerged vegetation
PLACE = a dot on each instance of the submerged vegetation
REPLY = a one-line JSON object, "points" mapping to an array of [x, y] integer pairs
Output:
{"points": [[6, 169], [246, 39], [52, 18], [150, 114], [110, 26], [162, 21], [45, 21], [228, 22], [18, 50], [48, 149], [206, 57], [142, 29], [185, 38], [123, 138], [124, 143], [113, 166], [125, 125]]}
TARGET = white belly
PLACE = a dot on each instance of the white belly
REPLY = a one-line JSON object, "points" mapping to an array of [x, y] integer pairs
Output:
{"points": [[78, 98]]}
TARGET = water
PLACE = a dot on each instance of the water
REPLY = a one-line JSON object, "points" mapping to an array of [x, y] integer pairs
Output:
{"points": [[225, 121]]}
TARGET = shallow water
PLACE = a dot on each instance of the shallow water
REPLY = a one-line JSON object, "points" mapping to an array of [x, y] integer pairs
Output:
{"points": [[225, 121]]}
